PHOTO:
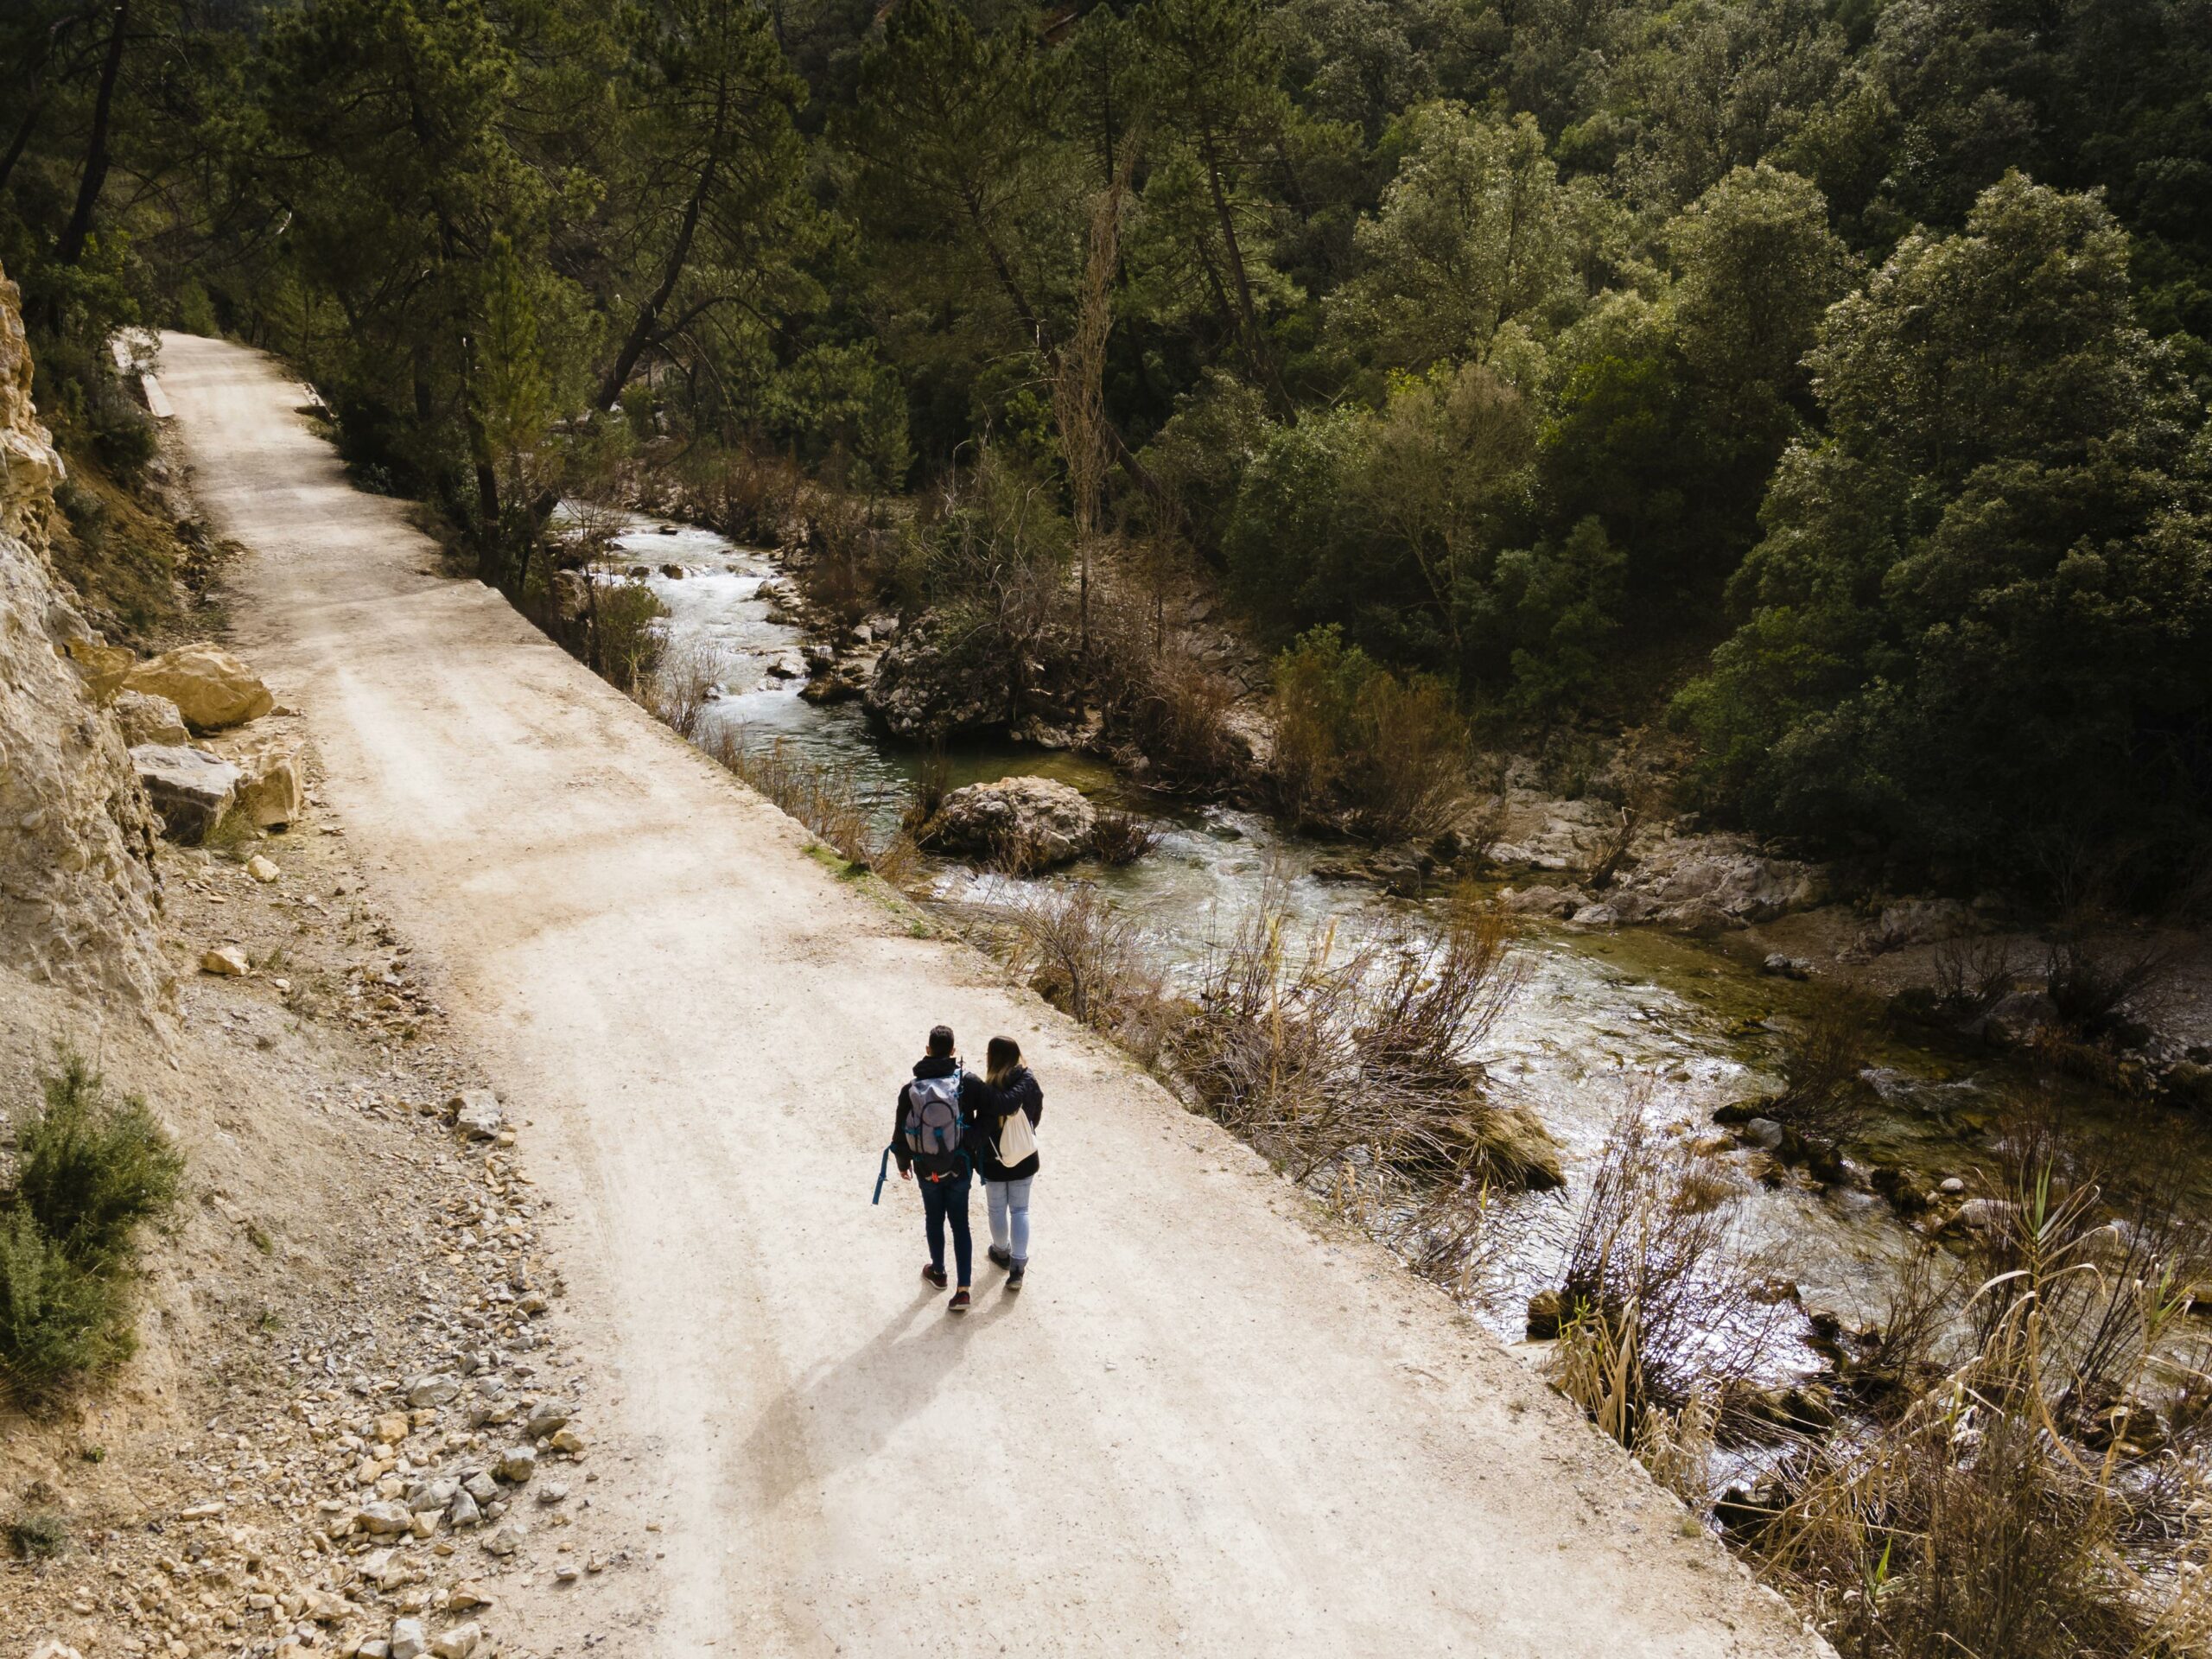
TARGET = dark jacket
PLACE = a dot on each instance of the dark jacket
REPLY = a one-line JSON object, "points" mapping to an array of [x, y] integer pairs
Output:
{"points": [[978, 1102], [1020, 1091]]}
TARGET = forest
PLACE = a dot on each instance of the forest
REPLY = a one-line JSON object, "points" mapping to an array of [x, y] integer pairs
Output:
{"points": [[1819, 382]]}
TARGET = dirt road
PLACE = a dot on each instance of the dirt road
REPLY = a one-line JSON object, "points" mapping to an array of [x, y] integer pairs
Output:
{"points": [[1208, 1426]]}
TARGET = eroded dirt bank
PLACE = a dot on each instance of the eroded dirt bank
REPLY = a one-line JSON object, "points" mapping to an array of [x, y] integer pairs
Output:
{"points": [[1209, 1425]]}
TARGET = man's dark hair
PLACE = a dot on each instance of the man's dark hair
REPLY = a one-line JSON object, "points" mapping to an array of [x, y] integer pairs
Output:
{"points": [[941, 1041]]}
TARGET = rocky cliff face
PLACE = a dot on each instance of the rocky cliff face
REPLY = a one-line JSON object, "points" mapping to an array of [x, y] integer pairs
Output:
{"points": [[76, 835]]}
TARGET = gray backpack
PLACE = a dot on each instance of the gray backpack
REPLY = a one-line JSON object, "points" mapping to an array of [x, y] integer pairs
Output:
{"points": [[934, 1125]]}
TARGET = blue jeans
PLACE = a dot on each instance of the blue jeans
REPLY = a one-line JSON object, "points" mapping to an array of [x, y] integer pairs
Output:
{"points": [[943, 1201], [1009, 1201]]}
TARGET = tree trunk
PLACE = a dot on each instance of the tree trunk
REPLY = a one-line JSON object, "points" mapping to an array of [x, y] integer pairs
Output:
{"points": [[641, 330], [79, 230]]}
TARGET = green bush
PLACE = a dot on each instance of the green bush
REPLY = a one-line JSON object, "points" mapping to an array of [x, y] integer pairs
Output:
{"points": [[89, 1173], [58, 1320]]}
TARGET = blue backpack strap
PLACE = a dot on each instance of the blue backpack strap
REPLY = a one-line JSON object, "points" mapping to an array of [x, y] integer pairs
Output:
{"points": [[882, 1174]]}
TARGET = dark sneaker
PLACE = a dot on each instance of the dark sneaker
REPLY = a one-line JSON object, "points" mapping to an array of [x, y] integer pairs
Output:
{"points": [[935, 1276], [999, 1257], [959, 1304], [1013, 1275]]}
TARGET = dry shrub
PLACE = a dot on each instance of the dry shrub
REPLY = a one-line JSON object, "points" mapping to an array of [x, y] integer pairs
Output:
{"points": [[1825, 1095], [687, 679], [846, 551], [1327, 1053], [926, 790], [1179, 718], [826, 798], [2098, 977], [1972, 972], [1123, 837], [1080, 953], [749, 495], [1658, 1312], [2039, 1490]]}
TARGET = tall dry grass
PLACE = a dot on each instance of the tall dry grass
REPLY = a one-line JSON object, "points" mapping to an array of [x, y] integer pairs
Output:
{"points": [[826, 798], [2035, 1481]]}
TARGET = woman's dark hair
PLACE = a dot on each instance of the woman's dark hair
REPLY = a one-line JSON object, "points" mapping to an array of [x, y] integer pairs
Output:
{"points": [[1001, 1059]]}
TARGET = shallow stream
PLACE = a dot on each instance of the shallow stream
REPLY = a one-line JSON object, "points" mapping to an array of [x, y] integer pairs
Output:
{"points": [[1599, 1010]]}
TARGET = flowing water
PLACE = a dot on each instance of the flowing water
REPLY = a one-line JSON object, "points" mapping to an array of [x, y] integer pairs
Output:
{"points": [[1598, 1011]]}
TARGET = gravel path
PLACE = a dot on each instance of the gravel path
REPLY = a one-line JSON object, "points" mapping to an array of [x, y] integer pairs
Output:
{"points": [[1209, 1424]]}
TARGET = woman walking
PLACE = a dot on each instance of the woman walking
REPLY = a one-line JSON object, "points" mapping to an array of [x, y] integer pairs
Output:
{"points": [[1008, 1158]]}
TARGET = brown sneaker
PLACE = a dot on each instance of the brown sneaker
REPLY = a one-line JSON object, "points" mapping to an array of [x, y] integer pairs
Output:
{"points": [[959, 1302], [935, 1276]]}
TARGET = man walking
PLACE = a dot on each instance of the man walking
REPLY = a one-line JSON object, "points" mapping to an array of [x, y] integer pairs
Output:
{"points": [[933, 1136]]}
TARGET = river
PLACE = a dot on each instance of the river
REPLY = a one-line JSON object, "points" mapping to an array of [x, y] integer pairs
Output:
{"points": [[1599, 1010]]}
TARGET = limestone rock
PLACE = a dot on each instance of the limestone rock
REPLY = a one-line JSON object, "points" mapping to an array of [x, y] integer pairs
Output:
{"points": [[503, 1539], [76, 833], [149, 720], [545, 1418], [1694, 880], [926, 684], [408, 1641], [1028, 823], [434, 1388], [191, 788], [29, 467], [105, 667], [272, 783], [383, 1518], [211, 688], [518, 1464], [262, 870], [458, 1643], [476, 1114], [224, 962]]}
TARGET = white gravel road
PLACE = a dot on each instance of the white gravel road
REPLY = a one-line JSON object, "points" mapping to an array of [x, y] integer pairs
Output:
{"points": [[1209, 1425]]}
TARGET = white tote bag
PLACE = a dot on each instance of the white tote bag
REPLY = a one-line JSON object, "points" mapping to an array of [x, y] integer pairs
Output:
{"points": [[1017, 1141]]}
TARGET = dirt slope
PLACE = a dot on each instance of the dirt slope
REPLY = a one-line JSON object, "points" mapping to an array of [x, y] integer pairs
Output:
{"points": [[1207, 1426]]}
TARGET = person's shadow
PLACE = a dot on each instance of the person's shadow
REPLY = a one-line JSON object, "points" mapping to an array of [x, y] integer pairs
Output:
{"points": [[847, 1410]]}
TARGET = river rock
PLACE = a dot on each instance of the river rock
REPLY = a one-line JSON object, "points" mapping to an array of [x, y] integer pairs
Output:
{"points": [[148, 720], [190, 788], [1690, 879], [1559, 903], [2017, 1019], [1764, 1132], [1916, 921], [1032, 822], [1984, 1215], [928, 683], [211, 689]]}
